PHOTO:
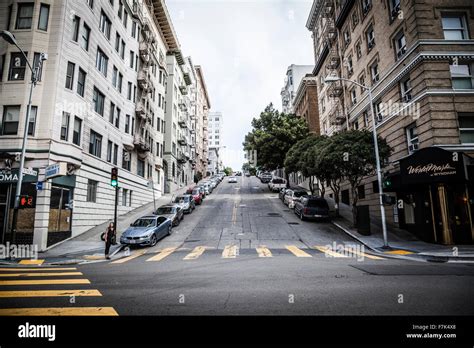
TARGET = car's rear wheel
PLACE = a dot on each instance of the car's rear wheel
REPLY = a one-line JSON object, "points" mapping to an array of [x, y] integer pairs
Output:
{"points": [[153, 240], [301, 215], [169, 229]]}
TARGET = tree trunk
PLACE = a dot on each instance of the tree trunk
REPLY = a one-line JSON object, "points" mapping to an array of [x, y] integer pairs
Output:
{"points": [[311, 185], [287, 177]]}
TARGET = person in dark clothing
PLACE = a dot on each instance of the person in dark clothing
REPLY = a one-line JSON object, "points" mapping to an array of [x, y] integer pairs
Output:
{"points": [[109, 238]]}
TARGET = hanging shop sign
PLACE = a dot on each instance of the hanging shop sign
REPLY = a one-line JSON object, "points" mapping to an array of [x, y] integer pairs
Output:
{"points": [[433, 165], [55, 170]]}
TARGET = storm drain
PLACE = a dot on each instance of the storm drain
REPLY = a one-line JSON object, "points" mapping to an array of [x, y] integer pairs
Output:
{"points": [[293, 223]]}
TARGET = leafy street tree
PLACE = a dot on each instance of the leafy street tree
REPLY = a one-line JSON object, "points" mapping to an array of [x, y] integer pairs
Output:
{"points": [[228, 171], [273, 134]]}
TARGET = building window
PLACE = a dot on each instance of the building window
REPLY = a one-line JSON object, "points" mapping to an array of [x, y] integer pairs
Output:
{"points": [[65, 126], [37, 65], [112, 113], [98, 100], [11, 117], [350, 67], [17, 67], [109, 151], [132, 58], [91, 191], [101, 62], [70, 75], [466, 128], [412, 138], [114, 77], [347, 37], [2, 64], [90, 3], [125, 18], [95, 144], [374, 72], [122, 50], [115, 154], [124, 197], [32, 121], [76, 22], [105, 24], [126, 159], [375, 186], [117, 42], [405, 88], [353, 96], [9, 14], [454, 26], [355, 19], [81, 82], [86, 33], [134, 29], [129, 91], [141, 168], [394, 8], [117, 118], [362, 82], [24, 15], [358, 50], [76, 136], [400, 44], [461, 76], [132, 130], [366, 6], [378, 112], [119, 83], [370, 37], [43, 17], [127, 124], [365, 116], [361, 191], [120, 9]]}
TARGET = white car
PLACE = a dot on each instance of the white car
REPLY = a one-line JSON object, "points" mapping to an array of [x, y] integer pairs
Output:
{"points": [[276, 184], [232, 179], [293, 196]]}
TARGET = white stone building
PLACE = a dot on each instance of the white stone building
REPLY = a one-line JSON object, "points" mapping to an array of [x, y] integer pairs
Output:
{"points": [[294, 75], [215, 137]]}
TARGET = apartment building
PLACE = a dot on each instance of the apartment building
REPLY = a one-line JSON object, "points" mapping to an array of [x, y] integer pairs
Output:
{"points": [[99, 103], [215, 142], [417, 59], [294, 75], [201, 110], [306, 102]]}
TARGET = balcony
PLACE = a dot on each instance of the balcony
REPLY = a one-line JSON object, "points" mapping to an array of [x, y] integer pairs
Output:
{"points": [[137, 11], [182, 140], [144, 80], [140, 144], [183, 107], [145, 51], [182, 159], [183, 89], [335, 90], [183, 122], [192, 131], [140, 110]]}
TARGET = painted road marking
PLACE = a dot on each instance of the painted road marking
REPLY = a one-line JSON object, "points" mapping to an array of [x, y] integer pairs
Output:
{"points": [[297, 251], [197, 251], [44, 282], [31, 262], [230, 252], [328, 251], [399, 252], [131, 257], [41, 269], [164, 253], [362, 254], [58, 311], [47, 274], [263, 251], [48, 293], [94, 257]]}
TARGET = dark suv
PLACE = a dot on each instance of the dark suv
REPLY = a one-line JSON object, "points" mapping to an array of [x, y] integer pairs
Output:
{"points": [[312, 207]]}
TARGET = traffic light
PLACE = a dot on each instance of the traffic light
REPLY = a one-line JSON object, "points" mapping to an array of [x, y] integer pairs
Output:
{"points": [[26, 202], [387, 183], [114, 177]]}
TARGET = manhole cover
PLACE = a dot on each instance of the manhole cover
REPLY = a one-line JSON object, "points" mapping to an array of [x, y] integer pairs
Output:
{"points": [[273, 214], [293, 223]]}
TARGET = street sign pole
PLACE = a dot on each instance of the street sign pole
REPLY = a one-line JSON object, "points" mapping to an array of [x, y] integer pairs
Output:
{"points": [[115, 209]]}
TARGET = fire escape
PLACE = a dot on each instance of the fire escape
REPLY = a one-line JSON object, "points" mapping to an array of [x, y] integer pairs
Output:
{"points": [[335, 89]]}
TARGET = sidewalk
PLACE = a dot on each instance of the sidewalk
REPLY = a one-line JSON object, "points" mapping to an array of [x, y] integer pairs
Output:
{"points": [[88, 245], [402, 243]]}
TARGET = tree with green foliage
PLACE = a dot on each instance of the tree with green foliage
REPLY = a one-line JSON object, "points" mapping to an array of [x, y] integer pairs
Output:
{"points": [[273, 134], [228, 171]]}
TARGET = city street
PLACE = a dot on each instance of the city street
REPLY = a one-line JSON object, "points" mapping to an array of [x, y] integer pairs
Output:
{"points": [[243, 252]]}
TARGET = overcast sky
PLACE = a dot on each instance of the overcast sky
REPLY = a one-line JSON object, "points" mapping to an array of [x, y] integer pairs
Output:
{"points": [[244, 48]]}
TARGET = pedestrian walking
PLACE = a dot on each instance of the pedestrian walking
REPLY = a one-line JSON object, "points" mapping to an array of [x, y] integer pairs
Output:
{"points": [[109, 239]]}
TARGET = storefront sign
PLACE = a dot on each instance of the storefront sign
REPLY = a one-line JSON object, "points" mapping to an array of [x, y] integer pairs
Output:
{"points": [[54, 170], [433, 165], [30, 171], [11, 176]]}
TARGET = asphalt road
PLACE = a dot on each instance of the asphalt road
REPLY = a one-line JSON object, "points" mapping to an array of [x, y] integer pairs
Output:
{"points": [[243, 252]]}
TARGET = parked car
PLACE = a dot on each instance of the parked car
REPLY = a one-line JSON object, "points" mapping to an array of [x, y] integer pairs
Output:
{"points": [[186, 203], [312, 207], [265, 177], [197, 196], [293, 196], [282, 192], [232, 180], [172, 212], [207, 188], [147, 230], [238, 174], [247, 174], [276, 184], [202, 190]]}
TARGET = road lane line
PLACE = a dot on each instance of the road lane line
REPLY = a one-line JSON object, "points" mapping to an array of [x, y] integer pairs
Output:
{"points": [[197, 251], [297, 251], [164, 253], [31, 262], [399, 252], [48, 293], [362, 254], [328, 251], [40, 269], [263, 251], [131, 257], [230, 252], [44, 282], [59, 311], [47, 274]]}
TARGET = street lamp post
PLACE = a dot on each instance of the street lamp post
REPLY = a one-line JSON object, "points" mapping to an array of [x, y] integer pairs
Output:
{"points": [[331, 79], [10, 38]]}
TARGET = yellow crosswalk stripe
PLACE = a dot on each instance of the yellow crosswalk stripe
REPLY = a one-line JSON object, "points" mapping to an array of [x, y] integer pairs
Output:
{"points": [[46, 274], [131, 257], [197, 251], [31, 262], [328, 251], [48, 293], [362, 254], [230, 251], [44, 282], [164, 253], [59, 311], [39, 269], [297, 251], [263, 252]]}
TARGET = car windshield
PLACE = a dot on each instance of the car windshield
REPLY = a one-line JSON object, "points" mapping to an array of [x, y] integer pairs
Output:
{"points": [[196, 192], [300, 193], [181, 200], [165, 210], [144, 223], [317, 203], [278, 181]]}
